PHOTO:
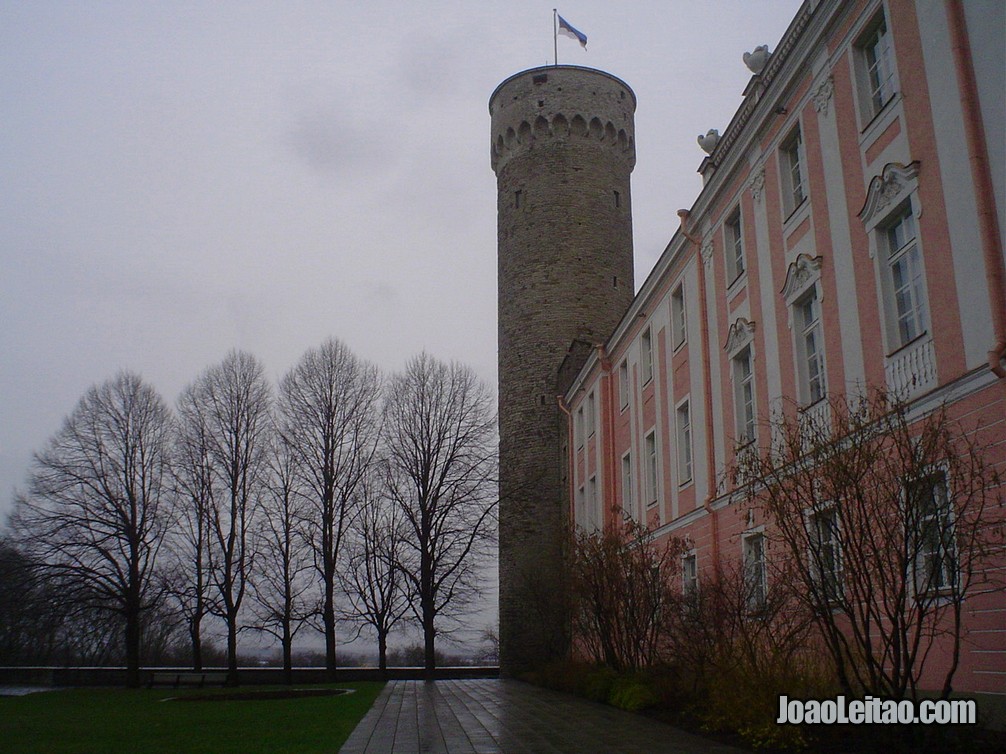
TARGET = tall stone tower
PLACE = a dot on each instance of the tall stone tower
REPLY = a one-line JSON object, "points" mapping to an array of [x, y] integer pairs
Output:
{"points": [[563, 147]]}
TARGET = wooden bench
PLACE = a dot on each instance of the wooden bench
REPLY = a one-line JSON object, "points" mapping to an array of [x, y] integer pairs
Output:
{"points": [[197, 678]]}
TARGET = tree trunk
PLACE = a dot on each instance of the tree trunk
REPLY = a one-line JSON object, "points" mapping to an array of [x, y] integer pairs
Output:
{"points": [[329, 618], [382, 648], [195, 635], [232, 650], [287, 655], [429, 635], [132, 647]]}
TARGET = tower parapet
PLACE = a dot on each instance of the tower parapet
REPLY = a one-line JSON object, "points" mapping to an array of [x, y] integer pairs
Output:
{"points": [[561, 102], [563, 148]]}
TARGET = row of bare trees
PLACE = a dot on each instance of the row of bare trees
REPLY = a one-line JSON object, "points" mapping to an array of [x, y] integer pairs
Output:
{"points": [[344, 497]]}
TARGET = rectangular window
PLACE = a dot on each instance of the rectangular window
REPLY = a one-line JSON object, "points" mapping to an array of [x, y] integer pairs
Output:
{"points": [[578, 428], [792, 172], [651, 468], [593, 505], [678, 324], [734, 244], [755, 582], [744, 401], [628, 505], [580, 508], [684, 443], [826, 554], [646, 355], [934, 545], [810, 348], [623, 385], [906, 301], [876, 69], [689, 574], [591, 414]]}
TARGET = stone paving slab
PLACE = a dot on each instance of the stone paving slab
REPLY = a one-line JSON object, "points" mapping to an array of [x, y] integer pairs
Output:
{"points": [[23, 690], [489, 716]]}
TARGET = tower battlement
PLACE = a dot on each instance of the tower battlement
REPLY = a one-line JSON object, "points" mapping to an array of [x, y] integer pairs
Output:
{"points": [[564, 103]]}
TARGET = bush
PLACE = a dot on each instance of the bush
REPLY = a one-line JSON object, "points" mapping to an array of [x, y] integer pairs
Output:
{"points": [[600, 682], [633, 693], [745, 699]]}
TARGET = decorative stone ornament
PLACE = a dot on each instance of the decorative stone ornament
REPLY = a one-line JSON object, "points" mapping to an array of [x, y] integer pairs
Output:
{"points": [[707, 254], [758, 184], [822, 95], [740, 334], [886, 188], [757, 60], [804, 270], [709, 141]]}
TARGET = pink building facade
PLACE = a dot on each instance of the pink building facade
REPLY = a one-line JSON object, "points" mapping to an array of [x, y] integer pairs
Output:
{"points": [[847, 238]]}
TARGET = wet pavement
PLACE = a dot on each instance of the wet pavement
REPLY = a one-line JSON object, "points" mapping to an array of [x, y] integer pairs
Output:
{"points": [[23, 690], [493, 715]]}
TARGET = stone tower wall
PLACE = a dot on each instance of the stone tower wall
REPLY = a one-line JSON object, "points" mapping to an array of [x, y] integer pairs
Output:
{"points": [[562, 150]]}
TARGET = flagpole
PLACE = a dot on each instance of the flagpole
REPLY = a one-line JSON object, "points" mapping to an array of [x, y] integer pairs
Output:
{"points": [[555, 35]]}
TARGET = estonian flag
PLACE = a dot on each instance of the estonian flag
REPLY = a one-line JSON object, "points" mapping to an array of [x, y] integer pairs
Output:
{"points": [[567, 30]]}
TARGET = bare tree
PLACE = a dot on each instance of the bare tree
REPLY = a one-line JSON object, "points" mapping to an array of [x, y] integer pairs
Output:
{"points": [[192, 500], [230, 405], [884, 516], [283, 594], [328, 417], [373, 584], [31, 615], [624, 594], [93, 513], [442, 448]]}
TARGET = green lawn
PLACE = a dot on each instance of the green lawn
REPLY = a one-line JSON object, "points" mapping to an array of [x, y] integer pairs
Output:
{"points": [[120, 721]]}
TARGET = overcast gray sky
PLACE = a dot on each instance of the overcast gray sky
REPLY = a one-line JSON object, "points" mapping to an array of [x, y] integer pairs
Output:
{"points": [[178, 179]]}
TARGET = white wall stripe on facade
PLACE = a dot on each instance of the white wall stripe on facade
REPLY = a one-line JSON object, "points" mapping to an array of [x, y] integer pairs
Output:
{"points": [[841, 242], [767, 329], [958, 188]]}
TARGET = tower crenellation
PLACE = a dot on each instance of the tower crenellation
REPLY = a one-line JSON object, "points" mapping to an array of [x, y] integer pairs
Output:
{"points": [[528, 108]]}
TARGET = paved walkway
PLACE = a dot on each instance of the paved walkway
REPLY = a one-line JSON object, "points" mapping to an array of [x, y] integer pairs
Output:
{"points": [[23, 690], [491, 715]]}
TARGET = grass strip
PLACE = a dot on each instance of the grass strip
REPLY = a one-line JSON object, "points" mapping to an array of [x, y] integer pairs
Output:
{"points": [[117, 721]]}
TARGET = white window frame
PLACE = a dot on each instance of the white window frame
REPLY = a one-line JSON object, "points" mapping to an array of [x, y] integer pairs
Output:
{"points": [[679, 316], [830, 580], [909, 253], [944, 550], [595, 520], [876, 75], [628, 500], [689, 573], [623, 385], [683, 433], [591, 414], [754, 569], [811, 370], [745, 400], [733, 246], [651, 465], [646, 354], [792, 170]]}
